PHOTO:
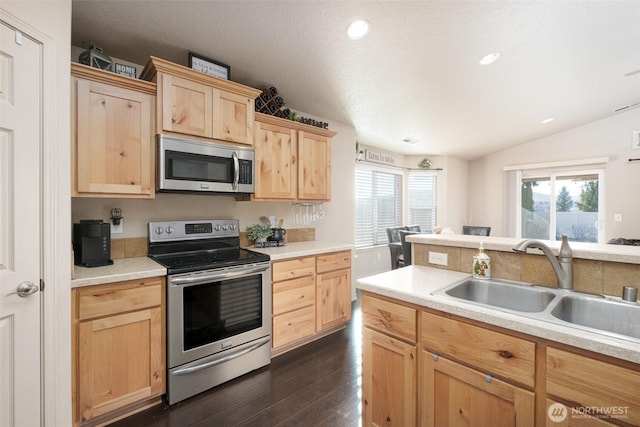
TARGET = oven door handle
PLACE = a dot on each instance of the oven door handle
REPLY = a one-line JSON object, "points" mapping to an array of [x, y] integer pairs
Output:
{"points": [[236, 170], [198, 280], [236, 354]]}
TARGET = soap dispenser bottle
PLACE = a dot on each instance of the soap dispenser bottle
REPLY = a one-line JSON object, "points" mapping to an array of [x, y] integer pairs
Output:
{"points": [[481, 264]]}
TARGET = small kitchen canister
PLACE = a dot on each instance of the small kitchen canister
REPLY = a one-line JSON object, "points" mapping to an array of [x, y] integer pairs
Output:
{"points": [[481, 264]]}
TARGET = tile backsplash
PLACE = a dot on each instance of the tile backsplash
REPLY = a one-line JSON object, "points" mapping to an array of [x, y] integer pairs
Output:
{"points": [[596, 277]]}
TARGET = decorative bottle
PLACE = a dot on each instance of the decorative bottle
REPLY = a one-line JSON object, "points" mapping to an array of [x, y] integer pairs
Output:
{"points": [[481, 264]]}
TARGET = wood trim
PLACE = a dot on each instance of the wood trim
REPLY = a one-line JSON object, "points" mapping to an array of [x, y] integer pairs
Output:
{"points": [[157, 65], [278, 121], [113, 79]]}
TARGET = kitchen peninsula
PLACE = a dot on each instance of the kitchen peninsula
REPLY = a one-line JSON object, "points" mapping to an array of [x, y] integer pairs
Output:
{"points": [[451, 360]]}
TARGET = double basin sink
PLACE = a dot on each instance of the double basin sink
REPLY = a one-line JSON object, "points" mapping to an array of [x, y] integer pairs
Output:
{"points": [[592, 312]]}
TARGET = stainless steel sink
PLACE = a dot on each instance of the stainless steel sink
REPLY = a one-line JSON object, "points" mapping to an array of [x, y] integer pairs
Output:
{"points": [[504, 294], [600, 313]]}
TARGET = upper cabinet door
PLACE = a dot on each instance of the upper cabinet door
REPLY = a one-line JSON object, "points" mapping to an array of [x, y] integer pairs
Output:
{"points": [[314, 166], [113, 141], [276, 167], [233, 118], [186, 106]]}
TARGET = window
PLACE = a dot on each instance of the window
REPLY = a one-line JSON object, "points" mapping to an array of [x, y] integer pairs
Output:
{"points": [[562, 202], [422, 200], [378, 204]]}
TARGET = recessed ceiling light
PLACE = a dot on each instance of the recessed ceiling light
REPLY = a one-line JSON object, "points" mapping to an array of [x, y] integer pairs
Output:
{"points": [[357, 29], [549, 120], [490, 58]]}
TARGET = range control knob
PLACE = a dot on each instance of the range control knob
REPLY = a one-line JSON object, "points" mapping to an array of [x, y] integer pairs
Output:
{"points": [[159, 230], [169, 229], [224, 226], [232, 226], [217, 227]]}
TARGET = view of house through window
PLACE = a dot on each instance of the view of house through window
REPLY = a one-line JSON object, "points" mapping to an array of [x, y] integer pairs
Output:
{"points": [[554, 204]]}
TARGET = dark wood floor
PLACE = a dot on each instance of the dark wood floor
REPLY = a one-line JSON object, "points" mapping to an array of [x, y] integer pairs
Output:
{"points": [[315, 385]]}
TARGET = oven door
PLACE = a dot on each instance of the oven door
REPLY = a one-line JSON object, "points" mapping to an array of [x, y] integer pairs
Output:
{"points": [[217, 310], [188, 165]]}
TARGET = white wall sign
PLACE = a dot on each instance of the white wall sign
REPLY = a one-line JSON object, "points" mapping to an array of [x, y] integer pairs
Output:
{"points": [[379, 157]]}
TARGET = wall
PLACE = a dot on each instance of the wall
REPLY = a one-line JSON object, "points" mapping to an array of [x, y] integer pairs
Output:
{"points": [[609, 137], [338, 225]]}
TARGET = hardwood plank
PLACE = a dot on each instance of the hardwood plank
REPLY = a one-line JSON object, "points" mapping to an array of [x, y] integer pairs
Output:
{"points": [[314, 385]]}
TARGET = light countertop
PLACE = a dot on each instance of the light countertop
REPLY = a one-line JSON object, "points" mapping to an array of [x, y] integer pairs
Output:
{"points": [[299, 249], [416, 285], [593, 251], [121, 270]]}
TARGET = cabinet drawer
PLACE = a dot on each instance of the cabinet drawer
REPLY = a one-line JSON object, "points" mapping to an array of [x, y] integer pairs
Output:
{"points": [[294, 325], [489, 351], [334, 261], [390, 318], [593, 383], [105, 300], [293, 294], [293, 268]]}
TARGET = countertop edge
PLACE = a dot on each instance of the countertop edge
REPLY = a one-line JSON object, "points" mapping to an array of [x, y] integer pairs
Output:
{"points": [[121, 270], [579, 338], [301, 249]]}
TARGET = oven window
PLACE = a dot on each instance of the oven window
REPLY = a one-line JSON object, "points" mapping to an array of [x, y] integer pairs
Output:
{"points": [[220, 310], [198, 167]]}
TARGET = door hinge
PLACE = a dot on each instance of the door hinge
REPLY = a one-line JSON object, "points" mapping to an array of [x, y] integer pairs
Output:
{"points": [[41, 285]]}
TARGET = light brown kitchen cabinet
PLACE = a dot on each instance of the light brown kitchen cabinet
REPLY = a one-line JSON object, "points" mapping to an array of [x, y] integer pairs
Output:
{"points": [[585, 382], [389, 363], [198, 104], [113, 134], [119, 349], [311, 298], [333, 283], [293, 160], [294, 305], [453, 394], [314, 166], [276, 161], [474, 373]]}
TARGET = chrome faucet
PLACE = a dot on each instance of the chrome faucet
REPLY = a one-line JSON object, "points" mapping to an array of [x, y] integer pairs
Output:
{"points": [[561, 265]]}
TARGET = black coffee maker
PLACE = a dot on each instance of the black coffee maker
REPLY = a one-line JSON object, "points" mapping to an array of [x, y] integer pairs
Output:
{"points": [[92, 243], [277, 238]]}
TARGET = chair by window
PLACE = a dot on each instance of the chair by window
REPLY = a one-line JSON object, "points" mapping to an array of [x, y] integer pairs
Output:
{"points": [[413, 228], [406, 246], [474, 230], [395, 247]]}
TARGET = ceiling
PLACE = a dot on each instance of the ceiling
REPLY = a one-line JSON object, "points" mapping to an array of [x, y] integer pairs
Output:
{"points": [[414, 75]]}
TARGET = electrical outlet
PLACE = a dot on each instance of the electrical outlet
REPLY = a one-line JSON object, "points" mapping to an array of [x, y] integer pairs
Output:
{"points": [[117, 229], [438, 258], [617, 217], [635, 140]]}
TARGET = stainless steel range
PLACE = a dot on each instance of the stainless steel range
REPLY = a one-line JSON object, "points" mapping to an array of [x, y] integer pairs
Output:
{"points": [[218, 304]]}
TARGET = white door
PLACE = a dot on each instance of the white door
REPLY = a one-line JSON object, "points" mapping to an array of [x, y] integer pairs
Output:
{"points": [[20, 135]]}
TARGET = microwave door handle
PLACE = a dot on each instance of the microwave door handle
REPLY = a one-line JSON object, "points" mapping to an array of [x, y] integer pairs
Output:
{"points": [[236, 170], [198, 280]]}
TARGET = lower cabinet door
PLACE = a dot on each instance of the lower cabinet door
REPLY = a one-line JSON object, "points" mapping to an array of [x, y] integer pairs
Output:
{"points": [[333, 298], [388, 381], [120, 361], [452, 394]]}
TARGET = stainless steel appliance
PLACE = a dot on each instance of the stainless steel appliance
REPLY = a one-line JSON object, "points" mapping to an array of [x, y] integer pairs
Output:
{"points": [[198, 166], [218, 304], [92, 243]]}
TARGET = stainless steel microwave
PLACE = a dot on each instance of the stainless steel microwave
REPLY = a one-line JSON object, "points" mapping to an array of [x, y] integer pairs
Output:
{"points": [[198, 166]]}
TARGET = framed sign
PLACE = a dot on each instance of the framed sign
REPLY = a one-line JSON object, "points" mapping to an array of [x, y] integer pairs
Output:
{"points": [[209, 66]]}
